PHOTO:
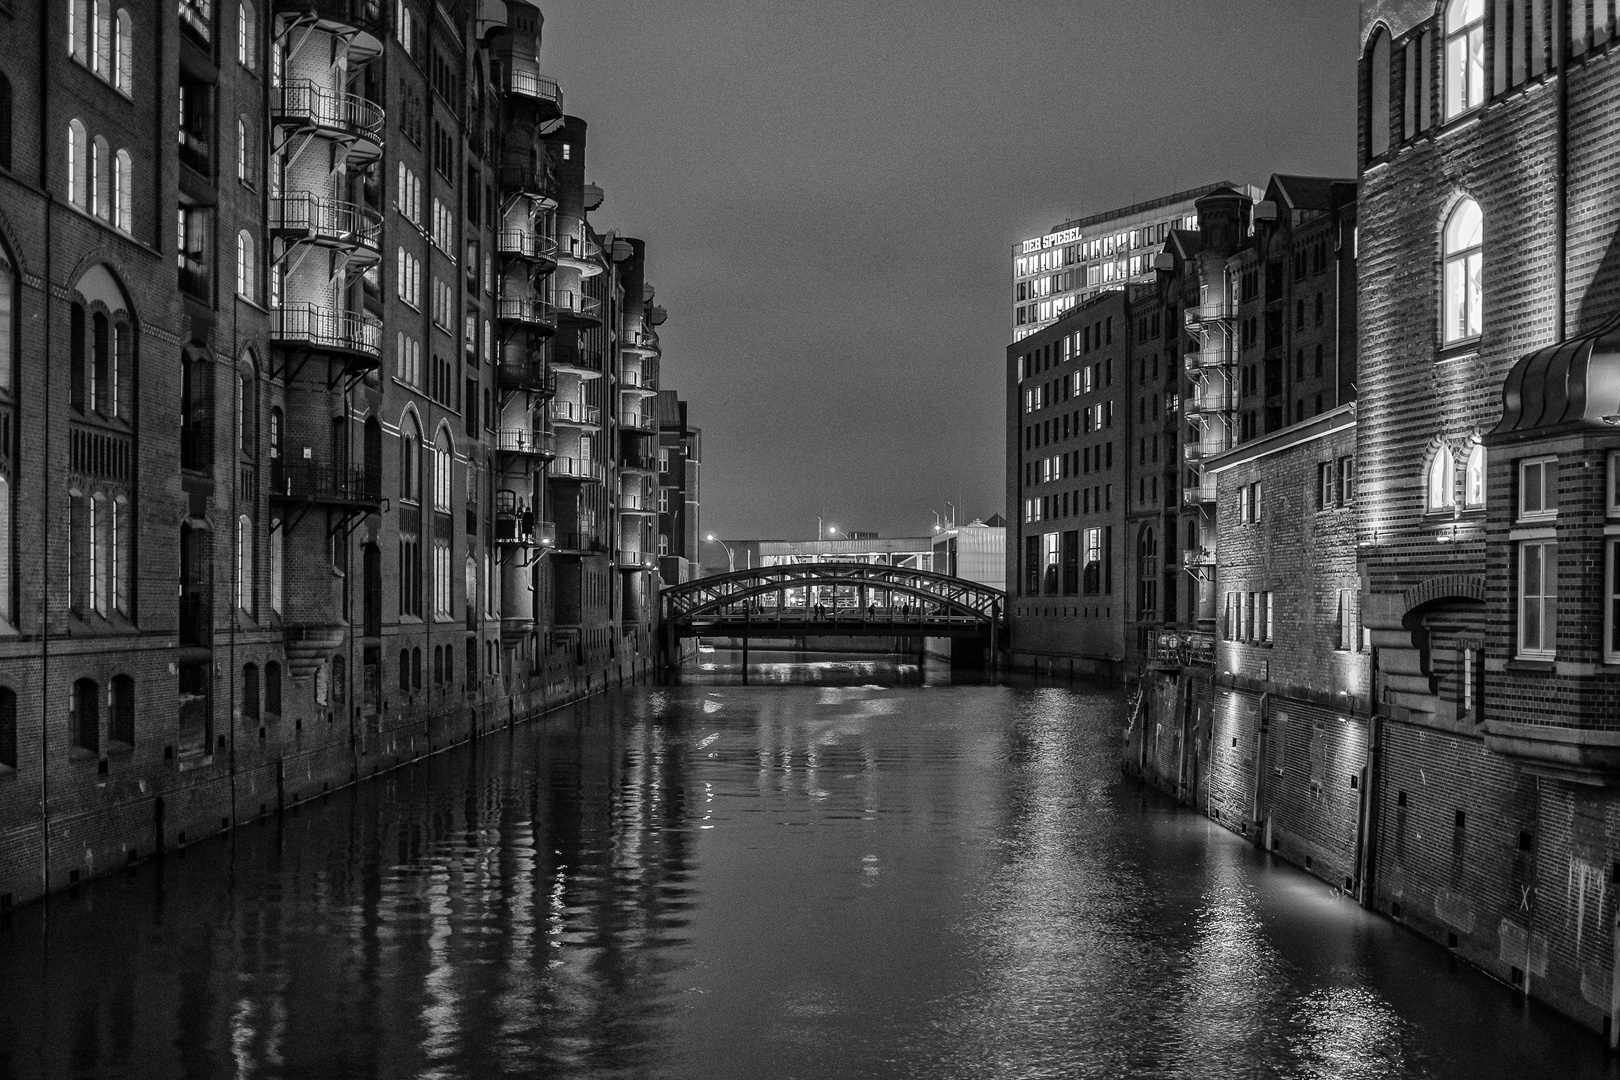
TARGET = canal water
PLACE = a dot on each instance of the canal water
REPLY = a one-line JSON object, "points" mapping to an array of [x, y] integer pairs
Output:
{"points": [[831, 872]]}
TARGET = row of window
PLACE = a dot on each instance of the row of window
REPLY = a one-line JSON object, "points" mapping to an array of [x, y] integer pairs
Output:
{"points": [[1099, 499], [1248, 616], [1069, 563], [103, 40], [99, 180]]}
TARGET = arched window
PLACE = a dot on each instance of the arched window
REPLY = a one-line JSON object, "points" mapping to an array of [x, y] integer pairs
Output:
{"points": [[1442, 481], [1378, 95], [121, 724], [246, 266], [122, 191], [405, 671], [416, 669], [247, 38], [124, 53], [1465, 56], [250, 691], [100, 561], [410, 465], [449, 664], [1147, 574], [272, 688], [101, 37], [241, 150], [78, 36], [8, 326], [441, 472], [247, 406], [78, 165], [371, 590], [244, 564], [8, 618], [87, 715], [1474, 477], [277, 556], [1463, 242], [438, 665], [8, 727], [471, 667]]}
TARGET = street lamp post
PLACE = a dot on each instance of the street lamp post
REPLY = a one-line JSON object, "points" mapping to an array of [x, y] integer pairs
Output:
{"points": [[731, 556]]}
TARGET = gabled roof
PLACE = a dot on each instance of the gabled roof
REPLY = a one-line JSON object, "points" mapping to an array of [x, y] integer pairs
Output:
{"points": [[1563, 388], [1310, 192], [1185, 242]]}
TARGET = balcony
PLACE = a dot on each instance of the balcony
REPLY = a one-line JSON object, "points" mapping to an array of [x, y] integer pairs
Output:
{"points": [[637, 502], [639, 344], [1197, 556], [355, 338], [575, 413], [1202, 492], [363, 24], [514, 529], [1200, 361], [577, 307], [638, 459], [637, 383], [634, 559], [533, 179], [576, 248], [528, 311], [358, 486], [348, 118], [527, 245], [531, 375], [586, 363], [579, 541], [521, 441], [1212, 312], [574, 468], [656, 315], [302, 217], [533, 87], [636, 420]]}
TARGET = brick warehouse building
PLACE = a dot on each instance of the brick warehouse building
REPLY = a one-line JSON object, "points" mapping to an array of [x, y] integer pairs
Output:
{"points": [[327, 434], [1490, 212]]}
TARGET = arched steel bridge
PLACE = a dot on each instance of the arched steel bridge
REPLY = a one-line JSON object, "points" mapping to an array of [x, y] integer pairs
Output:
{"points": [[833, 598]]}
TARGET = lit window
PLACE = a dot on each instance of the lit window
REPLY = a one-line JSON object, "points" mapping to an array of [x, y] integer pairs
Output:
{"points": [[246, 265], [1538, 598], [124, 54], [1442, 482], [78, 165], [1464, 236], [1538, 494], [122, 193], [1474, 478], [1465, 56]]}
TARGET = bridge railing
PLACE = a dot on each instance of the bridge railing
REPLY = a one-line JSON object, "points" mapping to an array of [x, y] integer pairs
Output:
{"points": [[862, 591]]}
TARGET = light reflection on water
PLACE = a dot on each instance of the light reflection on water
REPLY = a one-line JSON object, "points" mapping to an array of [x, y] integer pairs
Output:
{"points": [[831, 872]]}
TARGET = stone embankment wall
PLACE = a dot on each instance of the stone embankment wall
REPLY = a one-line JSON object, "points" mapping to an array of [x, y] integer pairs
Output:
{"points": [[1514, 873], [90, 821]]}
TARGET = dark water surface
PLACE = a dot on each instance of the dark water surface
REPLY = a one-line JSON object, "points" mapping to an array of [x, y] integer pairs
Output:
{"points": [[828, 873]]}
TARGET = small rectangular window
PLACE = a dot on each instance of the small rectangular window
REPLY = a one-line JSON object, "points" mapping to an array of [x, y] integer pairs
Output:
{"points": [[1347, 480], [1538, 495]]}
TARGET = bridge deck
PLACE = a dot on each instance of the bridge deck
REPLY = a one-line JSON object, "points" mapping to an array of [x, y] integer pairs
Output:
{"points": [[840, 624]]}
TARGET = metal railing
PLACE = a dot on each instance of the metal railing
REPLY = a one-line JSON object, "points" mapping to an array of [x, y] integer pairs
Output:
{"points": [[328, 219], [634, 559], [534, 85], [533, 179], [526, 309], [1179, 648], [514, 528], [526, 245], [579, 305], [522, 441], [527, 375], [349, 113], [1197, 556], [564, 411], [573, 468], [636, 420], [1201, 492], [321, 481], [638, 459], [1213, 311], [326, 329], [636, 500]]}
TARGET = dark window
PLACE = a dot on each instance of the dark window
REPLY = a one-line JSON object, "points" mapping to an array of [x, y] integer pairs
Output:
{"points": [[472, 659], [76, 347], [272, 688], [438, 665], [87, 715], [121, 725], [340, 679], [5, 123], [8, 727], [405, 670], [250, 691], [416, 669]]}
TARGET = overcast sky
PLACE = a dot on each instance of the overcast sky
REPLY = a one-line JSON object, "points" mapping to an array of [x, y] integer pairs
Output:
{"points": [[829, 191]]}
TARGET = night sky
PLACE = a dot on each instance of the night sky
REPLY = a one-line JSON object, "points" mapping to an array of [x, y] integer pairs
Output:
{"points": [[829, 192]]}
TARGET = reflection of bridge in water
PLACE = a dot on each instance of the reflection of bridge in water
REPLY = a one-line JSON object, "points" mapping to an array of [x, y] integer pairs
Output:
{"points": [[833, 599]]}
